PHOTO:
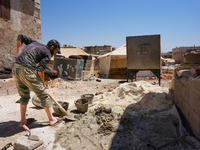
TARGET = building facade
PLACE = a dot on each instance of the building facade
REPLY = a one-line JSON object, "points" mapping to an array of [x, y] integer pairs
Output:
{"points": [[177, 53], [17, 17], [99, 49]]}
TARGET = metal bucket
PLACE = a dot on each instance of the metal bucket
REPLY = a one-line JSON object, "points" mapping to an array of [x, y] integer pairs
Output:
{"points": [[36, 101], [88, 97], [81, 105], [57, 110]]}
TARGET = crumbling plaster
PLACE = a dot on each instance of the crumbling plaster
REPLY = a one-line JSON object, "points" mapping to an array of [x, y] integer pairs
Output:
{"points": [[24, 19]]}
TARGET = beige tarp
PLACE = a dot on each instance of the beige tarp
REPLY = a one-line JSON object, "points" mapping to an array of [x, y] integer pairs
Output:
{"points": [[114, 59], [71, 51], [117, 59]]}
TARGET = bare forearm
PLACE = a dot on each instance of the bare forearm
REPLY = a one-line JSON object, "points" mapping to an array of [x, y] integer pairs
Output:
{"points": [[19, 47]]}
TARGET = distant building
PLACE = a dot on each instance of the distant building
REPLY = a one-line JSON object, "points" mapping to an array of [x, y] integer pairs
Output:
{"points": [[17, 17], [99, 49], [177, 53], [167, 55]]}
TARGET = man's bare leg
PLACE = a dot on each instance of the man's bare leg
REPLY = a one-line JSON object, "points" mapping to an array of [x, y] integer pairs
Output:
{"points": [[23, 115], [52, 119]]}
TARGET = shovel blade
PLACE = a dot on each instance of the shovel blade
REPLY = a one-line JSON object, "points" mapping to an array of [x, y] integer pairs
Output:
{"points": [[33, 137]]}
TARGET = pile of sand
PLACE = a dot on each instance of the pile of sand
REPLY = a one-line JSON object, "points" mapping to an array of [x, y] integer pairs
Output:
{"points": [[135, 115]]}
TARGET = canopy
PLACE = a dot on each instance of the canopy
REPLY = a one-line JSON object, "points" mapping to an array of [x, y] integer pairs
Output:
{"points": [[119, 53]]}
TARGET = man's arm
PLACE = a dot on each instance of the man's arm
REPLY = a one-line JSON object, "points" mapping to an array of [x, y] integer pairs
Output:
{"points": [[19, 47], [41, 75]]}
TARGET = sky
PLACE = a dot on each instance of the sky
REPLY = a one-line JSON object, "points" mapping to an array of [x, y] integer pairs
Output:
{"points": [[108, 22]]}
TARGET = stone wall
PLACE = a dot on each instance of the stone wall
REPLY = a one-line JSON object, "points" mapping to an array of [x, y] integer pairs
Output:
{"points": [[24, 19], [187, 98]]}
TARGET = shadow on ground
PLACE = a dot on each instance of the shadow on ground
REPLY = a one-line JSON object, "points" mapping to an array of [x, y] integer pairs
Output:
{"points": [[11, 128], [144, 126]]}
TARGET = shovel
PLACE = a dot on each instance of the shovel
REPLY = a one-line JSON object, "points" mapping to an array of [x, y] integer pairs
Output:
{"points": [[31, 137], [67, 115]]}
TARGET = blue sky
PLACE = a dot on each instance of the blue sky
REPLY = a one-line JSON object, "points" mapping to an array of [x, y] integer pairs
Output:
{"points": [[108, 22]]}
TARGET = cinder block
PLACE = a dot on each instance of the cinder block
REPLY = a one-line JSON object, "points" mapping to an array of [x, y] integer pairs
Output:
{"points": [[23, 143], [88, 65], [87, 68], [89, 61], [194, 100]]}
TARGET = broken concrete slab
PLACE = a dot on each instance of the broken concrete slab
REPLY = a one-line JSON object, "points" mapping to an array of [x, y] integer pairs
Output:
{"points": [[23, 143], [183, 73]]}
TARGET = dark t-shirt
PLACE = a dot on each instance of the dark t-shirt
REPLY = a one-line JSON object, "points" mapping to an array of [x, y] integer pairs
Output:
{"points": [[33, 54]]}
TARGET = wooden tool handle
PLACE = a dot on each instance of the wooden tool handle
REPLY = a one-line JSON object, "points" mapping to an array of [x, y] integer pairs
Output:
{"points": [[26, 128], [61, 108]]}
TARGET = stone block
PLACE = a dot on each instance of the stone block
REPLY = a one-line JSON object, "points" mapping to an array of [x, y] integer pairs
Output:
{"points": [[23, 143], [38, 21], [184, 81], [86, 74], [194, 122], [87, 68], [89, 61], [183, 73], [185, 93], [177, 93], [185, 109], [197, 84], [88, 65], [194, 100], [37, 1], [194, 83]]}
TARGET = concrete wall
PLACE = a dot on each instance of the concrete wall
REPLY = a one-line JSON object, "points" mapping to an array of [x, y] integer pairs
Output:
{"points": [[187, 97], [177, 53], [24, 19]]}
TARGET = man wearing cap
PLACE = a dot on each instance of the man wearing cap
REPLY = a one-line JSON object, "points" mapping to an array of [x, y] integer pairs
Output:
{"points": [[28, 73]]}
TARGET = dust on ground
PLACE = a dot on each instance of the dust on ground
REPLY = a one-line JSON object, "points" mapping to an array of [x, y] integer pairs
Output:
{"points": [[134, 115]]}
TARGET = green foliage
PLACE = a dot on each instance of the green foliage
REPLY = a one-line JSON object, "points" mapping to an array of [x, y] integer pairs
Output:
{"points": [[87, 51], [170, 56]]}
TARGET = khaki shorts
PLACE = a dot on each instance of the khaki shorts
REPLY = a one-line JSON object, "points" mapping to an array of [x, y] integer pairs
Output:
{"points": [[26, 79]]}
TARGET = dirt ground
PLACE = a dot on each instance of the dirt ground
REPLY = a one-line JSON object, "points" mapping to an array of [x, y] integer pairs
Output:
{"points": [[134, 115]]}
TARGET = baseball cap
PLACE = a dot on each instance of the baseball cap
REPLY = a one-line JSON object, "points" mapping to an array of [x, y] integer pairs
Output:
{"points": [[54, 43]]}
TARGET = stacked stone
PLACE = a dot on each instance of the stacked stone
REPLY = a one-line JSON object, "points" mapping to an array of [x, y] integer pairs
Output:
{"points": [[186, 87]]}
